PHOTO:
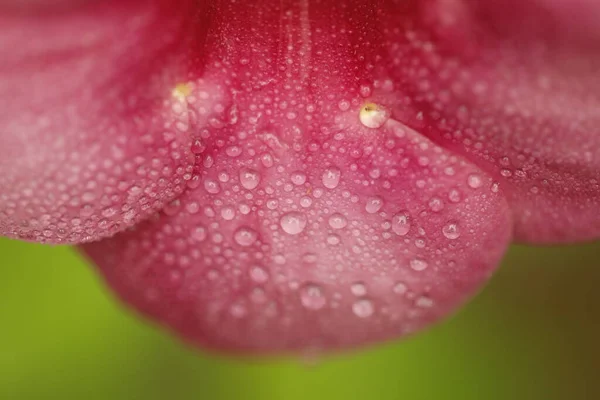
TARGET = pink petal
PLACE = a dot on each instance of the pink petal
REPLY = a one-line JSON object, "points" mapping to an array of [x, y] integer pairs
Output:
{"points": [[318, 220], [513, 86], [93, 137], [322, 249]]}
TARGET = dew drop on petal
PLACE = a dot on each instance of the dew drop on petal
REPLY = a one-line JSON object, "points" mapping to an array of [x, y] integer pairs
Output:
{"points": [[401, 223], [373, 205], [312, 296], [474, 181], [331, 177], [259, 274], [298, 178], [337, 221], [293, 222], [418, 264], [400, 288], [249, 178], [358, 289], [373, 116], [245, 236], [363, 308], [451, 230]]}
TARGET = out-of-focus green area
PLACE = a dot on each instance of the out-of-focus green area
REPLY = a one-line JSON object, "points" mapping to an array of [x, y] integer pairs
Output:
{"points": [[534, 333]]}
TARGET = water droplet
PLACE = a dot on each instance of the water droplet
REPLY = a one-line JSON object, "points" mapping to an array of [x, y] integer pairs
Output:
{"points": [[233, 151], [400, 288], [333, 239], [305, 201], [249, 178], [267, 160], [258, 274], [401, 223], [293, 222], [199, 234], [212, 186], [344, 105], [228, 213], [363, 308], [312, 296], [424, 302], [374, 204], [436, 204], [245, 236], [418, 264], [451, 230], [358, 289], [331, 177], [337, 221], [474, 181], [238, 310], [298, 178], [373, 116]]}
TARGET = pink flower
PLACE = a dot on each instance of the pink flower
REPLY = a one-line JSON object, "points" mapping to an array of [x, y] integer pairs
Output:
{"points": [[267, 176]]}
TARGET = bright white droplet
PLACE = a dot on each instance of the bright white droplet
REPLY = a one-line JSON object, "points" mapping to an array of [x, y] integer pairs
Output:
{"points": [[373, 116], [293, 222]]}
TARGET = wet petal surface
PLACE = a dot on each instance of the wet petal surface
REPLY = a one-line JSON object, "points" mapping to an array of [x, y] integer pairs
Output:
{"points": [[314, 218], [94, 135], [352, 172]]}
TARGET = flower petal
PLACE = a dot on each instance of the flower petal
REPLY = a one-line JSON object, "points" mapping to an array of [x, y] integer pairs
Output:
{"points": [[514, 87], [94, 131], [321, 249], [318, 219]]}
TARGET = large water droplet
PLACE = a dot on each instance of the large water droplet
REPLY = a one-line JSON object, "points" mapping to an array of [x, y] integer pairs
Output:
{"points": [[293, 222], [424, 302], [298, 178], [245, 236], [373, 116], [373, 205], [474, 181], [331, 177], [337, 221], [312, 296], [451, 230], [259, 274], [418, 264], [212, 186], [249, 178], [358, 289], [401, 223], [363, 308], [400, 288]]}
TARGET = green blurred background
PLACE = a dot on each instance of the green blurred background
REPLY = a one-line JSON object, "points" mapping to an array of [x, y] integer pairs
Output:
{"points": [[532, 334]]}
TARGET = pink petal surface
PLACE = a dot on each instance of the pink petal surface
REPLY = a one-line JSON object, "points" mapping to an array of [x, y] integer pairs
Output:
{"points": [[352, 171], [514, 87], [311, 222], [92, 135]]}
